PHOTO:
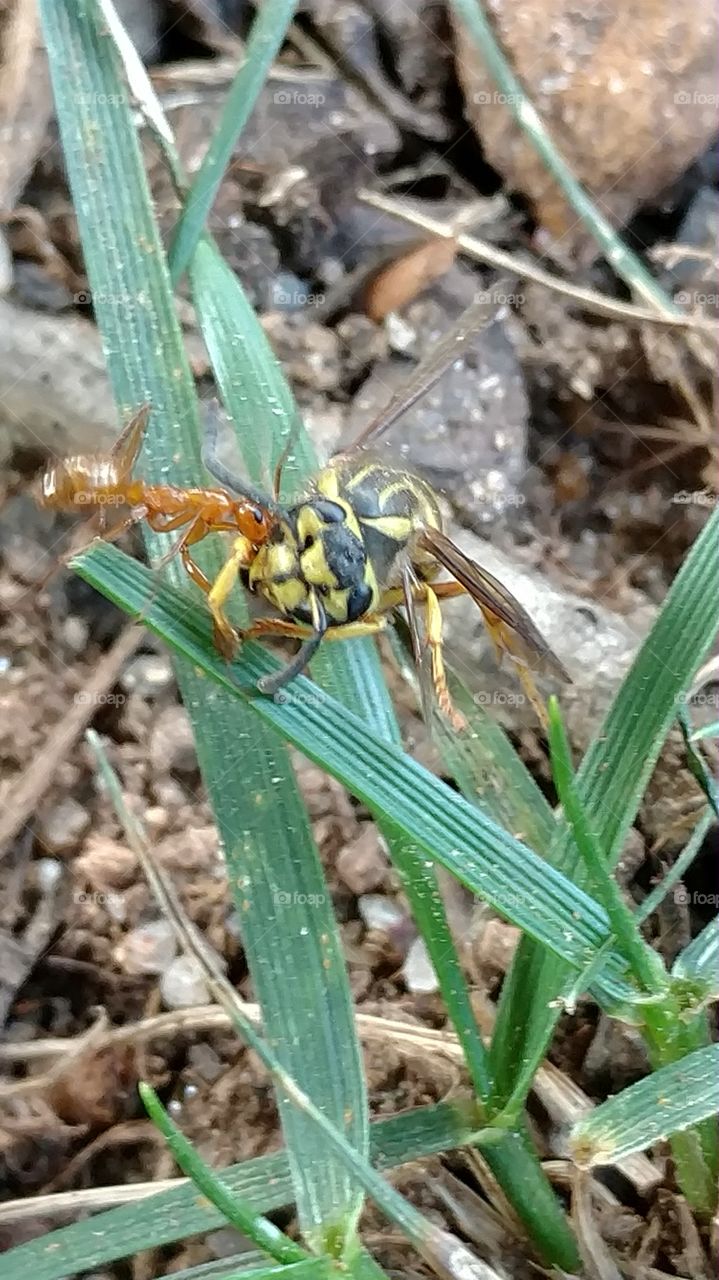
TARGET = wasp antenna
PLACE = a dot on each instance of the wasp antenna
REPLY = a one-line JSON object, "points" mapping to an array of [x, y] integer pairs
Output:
{"points": [[228, 479]]}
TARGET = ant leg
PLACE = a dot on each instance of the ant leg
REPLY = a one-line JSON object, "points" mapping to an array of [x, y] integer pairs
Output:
{"points": [[115, 530], [129, 442], [193, 570], [226, 636]]}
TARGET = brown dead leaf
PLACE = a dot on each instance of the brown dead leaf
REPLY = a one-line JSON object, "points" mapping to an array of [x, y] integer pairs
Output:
{"points": [[627, 91], [96, 1091], [400, 282]]}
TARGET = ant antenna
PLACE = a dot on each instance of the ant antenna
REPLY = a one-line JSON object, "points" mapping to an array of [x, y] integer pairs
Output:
{"points": [[290, 442], [210, 459]]}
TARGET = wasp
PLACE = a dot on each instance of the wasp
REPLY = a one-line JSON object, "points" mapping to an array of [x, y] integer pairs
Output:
{"points": [[365, 539], [102, 481]]}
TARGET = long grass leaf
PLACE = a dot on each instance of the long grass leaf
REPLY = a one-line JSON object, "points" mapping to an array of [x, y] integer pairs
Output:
{"points": [[146, 361], [610, 780], [673, 1099]]}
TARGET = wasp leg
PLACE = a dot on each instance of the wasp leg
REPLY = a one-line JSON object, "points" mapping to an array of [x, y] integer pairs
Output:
{"points": [[433, 615], [410, 592], [272, 684], [502, 643], [227, 638]]}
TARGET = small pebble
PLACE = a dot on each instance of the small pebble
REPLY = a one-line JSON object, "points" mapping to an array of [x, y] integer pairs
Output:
{"points": [[62, 827], [417, 970], [147, 675], [151, 948], [203, 1059], [380, 912], [172, 746], [48, 873], [362, 864], [74, 633], [183, 984], [157, 817]]}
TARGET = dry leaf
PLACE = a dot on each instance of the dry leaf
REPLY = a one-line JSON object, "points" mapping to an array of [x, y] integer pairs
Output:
{"points": [[403, 279]]}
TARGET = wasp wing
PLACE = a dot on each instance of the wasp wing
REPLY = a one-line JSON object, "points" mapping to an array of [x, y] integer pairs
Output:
{"points": [[518, 635], [473, 321]]}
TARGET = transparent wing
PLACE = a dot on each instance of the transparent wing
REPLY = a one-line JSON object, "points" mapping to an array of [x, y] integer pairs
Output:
{"points": [[472, 322], [509, 624]]}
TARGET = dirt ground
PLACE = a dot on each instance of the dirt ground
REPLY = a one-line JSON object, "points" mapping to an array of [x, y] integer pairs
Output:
{"points": [[576, 443]]}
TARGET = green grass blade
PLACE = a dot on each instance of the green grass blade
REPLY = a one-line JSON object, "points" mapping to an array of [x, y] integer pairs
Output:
{"points": [[260, 1230], [610, 782], [248, 1266], [248, 376], [265, 1183], [391, 784], [146, 361], [646, 965], [696, 763], [700, 959], [673, 1099], [706, 731], [264, 43]]}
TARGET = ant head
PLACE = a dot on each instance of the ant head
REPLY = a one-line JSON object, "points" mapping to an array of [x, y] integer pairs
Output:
{"points": [[255, 522]]}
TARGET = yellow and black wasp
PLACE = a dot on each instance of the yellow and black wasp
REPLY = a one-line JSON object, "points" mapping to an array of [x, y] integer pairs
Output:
{"points": [[364, 539]]}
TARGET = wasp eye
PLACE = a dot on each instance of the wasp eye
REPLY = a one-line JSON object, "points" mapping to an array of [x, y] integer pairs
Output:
{"points": [[258, 516]]}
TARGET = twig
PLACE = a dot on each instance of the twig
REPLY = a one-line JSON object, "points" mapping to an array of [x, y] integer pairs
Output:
{"points": [[561, 1098], [482, 251], [23, 802]]}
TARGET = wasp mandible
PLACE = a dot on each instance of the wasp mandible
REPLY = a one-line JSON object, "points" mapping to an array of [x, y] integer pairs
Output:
{"points": [[365, 539]]}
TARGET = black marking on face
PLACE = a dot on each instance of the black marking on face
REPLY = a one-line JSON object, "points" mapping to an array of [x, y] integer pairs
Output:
{"points": [[345, 556], [359, 601], [328, 511]]}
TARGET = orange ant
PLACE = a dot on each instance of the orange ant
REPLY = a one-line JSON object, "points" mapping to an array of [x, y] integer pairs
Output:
{"points": [[99, 481]]}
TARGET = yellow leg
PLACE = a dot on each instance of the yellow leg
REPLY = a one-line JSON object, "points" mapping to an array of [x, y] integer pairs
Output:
{"points": [[433, 614], [429, 596], [227, 638], [283, 627], [503, 642]]}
